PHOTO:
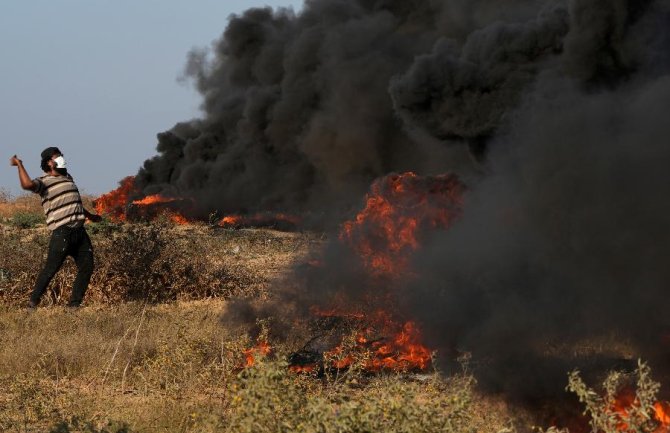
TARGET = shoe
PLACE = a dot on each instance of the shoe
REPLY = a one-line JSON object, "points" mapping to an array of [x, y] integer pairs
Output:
{"points": [[30, 306], [73, 306]]}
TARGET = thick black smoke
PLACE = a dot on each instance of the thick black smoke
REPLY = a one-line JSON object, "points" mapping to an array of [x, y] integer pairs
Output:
{"points": [[298, 112], [565, 239], [565, 242], [553, 112], [466, 90]]}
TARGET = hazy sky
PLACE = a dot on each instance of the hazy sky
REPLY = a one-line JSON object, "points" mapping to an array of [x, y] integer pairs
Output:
{"points": [[98, 79]]}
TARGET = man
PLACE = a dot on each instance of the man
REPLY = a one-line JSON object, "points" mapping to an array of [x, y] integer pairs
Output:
{"points": [[65, 216]]}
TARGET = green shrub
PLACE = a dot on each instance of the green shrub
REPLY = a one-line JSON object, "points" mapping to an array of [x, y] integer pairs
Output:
{"points": [[104, 227], [26, 220], [602, 410], [606, 414], [77, 425], [268, 398]]}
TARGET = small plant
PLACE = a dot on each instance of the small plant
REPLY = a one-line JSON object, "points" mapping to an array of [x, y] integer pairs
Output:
{"points": [[104, 227], [26, 220], [77, 425], [622, 409], [5, 275], [268, 398], [348, 361]]}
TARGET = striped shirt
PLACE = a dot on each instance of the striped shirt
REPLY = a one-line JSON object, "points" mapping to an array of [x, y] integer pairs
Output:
{"points": [[61, 201]]}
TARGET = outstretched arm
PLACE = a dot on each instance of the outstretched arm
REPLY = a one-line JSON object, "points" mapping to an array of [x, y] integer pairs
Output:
{"points": [[92, 217], [26, 182]]}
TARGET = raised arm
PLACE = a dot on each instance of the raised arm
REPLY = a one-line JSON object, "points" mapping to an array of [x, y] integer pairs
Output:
{"points": [[92, 217], [26, 182]]}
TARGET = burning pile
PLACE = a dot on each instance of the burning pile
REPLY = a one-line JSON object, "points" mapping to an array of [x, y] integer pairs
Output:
{"points": [[119, 205], [261, 350], [627, 412], [152, 206], [629, 404], [400, 210], [378, 343], [114, 203]]}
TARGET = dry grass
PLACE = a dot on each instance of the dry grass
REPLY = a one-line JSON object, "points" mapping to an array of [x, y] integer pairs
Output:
{"points": [[113, 362], [149, 352], [174, 367], [24, 211], [9, 205]]}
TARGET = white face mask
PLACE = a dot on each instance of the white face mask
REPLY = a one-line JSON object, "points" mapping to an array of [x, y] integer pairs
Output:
{"points": [[60, 162]]}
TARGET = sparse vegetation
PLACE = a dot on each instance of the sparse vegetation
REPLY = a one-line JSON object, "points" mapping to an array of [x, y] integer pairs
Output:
{"points": [[606, 414], [268, 398], [24, 204], [157, 262], [149, 353], [26, 220], [173, 367]]}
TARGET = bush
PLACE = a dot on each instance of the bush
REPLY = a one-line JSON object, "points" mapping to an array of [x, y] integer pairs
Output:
{"points": [[268, 398], [21, 257], [152, 262], [26, 219], [623, 407], [27, 203], [104, 227], [605, 416], [80, 426], [149, 262]]}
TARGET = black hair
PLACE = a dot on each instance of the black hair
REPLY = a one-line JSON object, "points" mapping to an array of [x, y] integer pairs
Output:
{"points": [[46, 157]]}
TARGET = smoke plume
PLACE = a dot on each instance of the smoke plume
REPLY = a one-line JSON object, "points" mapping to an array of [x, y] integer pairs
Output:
{"points": [[298, 111], [550, 111]]}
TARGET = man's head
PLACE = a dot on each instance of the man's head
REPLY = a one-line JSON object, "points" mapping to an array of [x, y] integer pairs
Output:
{"points": [[52, 159]]}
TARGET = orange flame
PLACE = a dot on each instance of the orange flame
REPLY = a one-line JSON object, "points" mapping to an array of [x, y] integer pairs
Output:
{"points": [[261, 350], [151, 199], [306, 369], [174, 216], [179, 219], [381, 344], [260, 219], [662, 415], [230, 220], [113, 204], [318, 311], [398, 209], [402, 352], [626, 400]]}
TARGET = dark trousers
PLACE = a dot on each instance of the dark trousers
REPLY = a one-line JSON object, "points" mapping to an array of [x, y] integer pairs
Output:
{"points": [[66, 241]]}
